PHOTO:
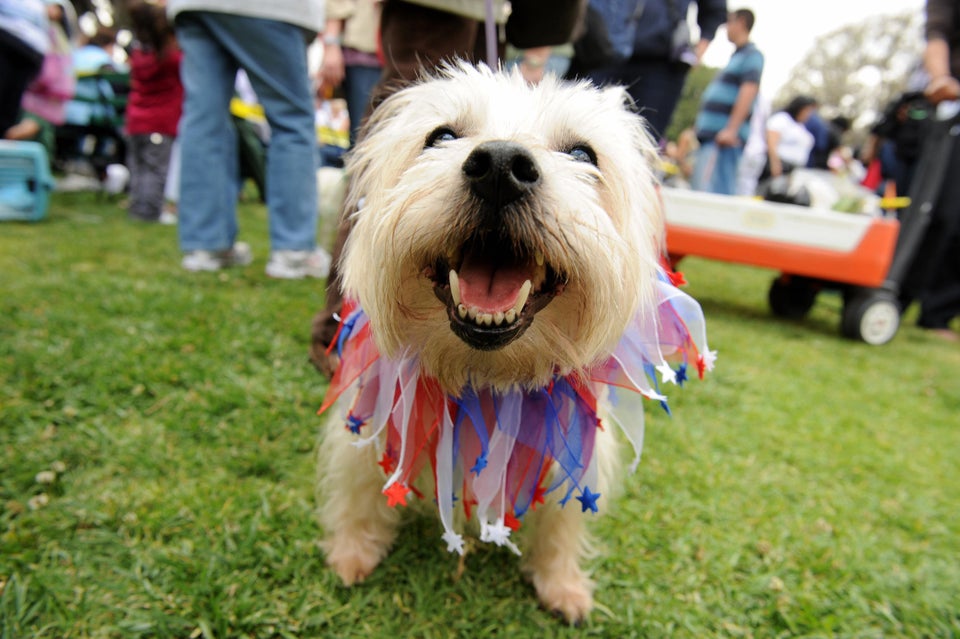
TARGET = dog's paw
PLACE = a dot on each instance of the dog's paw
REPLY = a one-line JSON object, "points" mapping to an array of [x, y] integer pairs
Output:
{"points": [[571, 599], [353, 559]]}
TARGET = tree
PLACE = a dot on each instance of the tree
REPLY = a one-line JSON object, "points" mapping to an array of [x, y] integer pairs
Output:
{"points": [[857, 69]]}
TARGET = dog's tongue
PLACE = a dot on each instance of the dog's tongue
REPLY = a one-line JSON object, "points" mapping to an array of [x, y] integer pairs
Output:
{"points": [[489, 286]]}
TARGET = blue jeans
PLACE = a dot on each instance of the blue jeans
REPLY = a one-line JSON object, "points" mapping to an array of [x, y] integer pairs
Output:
{"points": [[358, 84], [215, 46], [715, 169]]}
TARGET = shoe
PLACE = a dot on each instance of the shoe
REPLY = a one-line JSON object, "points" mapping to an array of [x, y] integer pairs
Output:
{"points": [[238, 255], [295, 265], [167, 218]]}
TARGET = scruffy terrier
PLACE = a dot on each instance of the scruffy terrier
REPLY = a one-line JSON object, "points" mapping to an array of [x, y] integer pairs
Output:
{"points": [[506, 238]]}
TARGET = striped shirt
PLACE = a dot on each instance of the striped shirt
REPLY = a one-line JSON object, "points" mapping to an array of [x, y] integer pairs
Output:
{"points": [[746, 65]]}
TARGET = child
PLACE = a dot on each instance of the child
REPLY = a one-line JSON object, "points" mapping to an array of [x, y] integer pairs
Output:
{"points": [[153, 109]]}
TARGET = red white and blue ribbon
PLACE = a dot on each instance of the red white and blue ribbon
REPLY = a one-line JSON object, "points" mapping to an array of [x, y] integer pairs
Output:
{"points": [[498, 454]]}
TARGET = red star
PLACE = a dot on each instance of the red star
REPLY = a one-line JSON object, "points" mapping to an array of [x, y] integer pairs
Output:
{"points": [[386, 463], [511, 522], [538, 494], [676, 278], [701, 366], [396, 494]]}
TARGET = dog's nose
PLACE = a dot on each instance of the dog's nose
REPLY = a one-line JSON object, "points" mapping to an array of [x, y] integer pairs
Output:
{"points": [[500, 171]]}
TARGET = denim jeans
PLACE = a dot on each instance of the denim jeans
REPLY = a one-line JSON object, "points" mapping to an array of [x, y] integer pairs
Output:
{"points": [[715, 169], [358, 84], [215, 46]]}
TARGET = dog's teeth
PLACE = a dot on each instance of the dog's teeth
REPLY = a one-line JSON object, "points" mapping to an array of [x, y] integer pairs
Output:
{"points": [[498, 318], [510, 316], [522, 298], [455, 287], [538, 256], [462, 311], [487, 319], [472, 312]]}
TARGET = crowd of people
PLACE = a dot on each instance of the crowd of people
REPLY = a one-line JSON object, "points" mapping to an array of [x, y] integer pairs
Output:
{"points": [[185, 57]]}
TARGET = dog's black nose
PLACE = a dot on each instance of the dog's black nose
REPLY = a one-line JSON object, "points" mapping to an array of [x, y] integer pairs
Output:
{"points": [[500, 171]]}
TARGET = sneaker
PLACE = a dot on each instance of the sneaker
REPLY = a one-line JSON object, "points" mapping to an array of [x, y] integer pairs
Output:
{"points": [[295, 265], [238, 255], [167, 218]]}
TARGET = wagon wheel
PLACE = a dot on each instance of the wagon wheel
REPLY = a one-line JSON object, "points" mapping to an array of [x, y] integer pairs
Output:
{"points": [[792, 297], [871, 315]]}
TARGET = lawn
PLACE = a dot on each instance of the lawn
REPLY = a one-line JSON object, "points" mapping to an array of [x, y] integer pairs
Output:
{"points": [[157, 434]]}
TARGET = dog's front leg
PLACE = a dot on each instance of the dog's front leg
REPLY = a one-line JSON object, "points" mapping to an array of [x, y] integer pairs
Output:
{"points": [[556, 543], [358, 525]]}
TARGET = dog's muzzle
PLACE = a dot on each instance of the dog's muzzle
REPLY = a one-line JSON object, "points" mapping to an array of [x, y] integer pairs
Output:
{"points": [[500, 172], [497, 278]]}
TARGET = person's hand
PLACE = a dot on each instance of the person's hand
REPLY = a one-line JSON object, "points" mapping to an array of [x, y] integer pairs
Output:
{"points": [[942, 88], [727, 137], [332, 69]]}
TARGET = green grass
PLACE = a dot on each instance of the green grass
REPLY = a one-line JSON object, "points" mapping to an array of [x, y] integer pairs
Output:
{"points": [[807, 488]]}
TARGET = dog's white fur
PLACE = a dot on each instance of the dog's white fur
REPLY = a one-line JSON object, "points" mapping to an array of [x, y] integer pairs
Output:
{"points": [[599, 225]]}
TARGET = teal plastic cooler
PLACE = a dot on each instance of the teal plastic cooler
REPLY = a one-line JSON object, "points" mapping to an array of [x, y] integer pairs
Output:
{"points": [[25, 181]]}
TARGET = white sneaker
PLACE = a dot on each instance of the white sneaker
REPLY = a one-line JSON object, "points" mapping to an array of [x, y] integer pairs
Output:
{"points": [[167, 218], [238, 255], [295, 265]]}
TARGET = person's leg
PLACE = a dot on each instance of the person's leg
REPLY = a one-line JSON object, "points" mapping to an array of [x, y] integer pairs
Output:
{"points": [[156, 159], [704, 166], [725, 174], [274, 56], [359, 83], [208, 143], [16, 71], [655, 86], [135, 144]]}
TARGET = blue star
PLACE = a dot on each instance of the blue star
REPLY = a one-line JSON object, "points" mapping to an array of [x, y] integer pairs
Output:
{"points": [[480, 464], [588, 500], [354, 423], [682, 374], [663, 405]]}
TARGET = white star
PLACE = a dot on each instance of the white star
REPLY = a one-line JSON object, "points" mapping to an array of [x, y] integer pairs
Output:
{"points": [[454, 542], [708, 359], [669, 375], [497, 533]]}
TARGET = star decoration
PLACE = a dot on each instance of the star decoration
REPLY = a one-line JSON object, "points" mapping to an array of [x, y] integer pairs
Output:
{"points": [[454, 542], [667, 373], [676, 278], [538, 494], [681, 374], [354, 423], [386, 463], [480, 464], [588, 500], [511, 522], [497, 533], [396, 494]]}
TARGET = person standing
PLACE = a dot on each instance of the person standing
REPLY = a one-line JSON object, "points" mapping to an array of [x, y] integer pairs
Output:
{"points": [[650, 40], [153, 109], [723, 121], [24, 41], [269, 41], [937, 277]]}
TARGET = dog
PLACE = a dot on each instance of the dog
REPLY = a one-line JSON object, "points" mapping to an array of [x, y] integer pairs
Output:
{"points": [[506, 245]]}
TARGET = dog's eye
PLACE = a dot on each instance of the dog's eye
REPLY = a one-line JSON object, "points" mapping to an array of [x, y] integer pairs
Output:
{"points": [[583, 153], [441, 134]]}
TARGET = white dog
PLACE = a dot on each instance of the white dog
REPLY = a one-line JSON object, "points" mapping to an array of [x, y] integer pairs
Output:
{"points": [[504, 272]]}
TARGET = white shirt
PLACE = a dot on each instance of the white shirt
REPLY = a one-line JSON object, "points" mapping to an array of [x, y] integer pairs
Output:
{"points": [[795, 141]]}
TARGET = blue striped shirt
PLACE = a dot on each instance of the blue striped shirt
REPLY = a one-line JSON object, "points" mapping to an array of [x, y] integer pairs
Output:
{"points": [[746, 65]]}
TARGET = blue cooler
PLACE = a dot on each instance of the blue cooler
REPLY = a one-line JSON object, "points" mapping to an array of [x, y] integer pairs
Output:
{"points": [[25, 181]]}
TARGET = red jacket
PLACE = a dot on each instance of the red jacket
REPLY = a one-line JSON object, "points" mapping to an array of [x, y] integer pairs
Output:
{"points": [[156, 94]]}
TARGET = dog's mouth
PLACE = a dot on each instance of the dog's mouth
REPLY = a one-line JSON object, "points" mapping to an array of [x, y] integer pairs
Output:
{"points": [[492, 289]]}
